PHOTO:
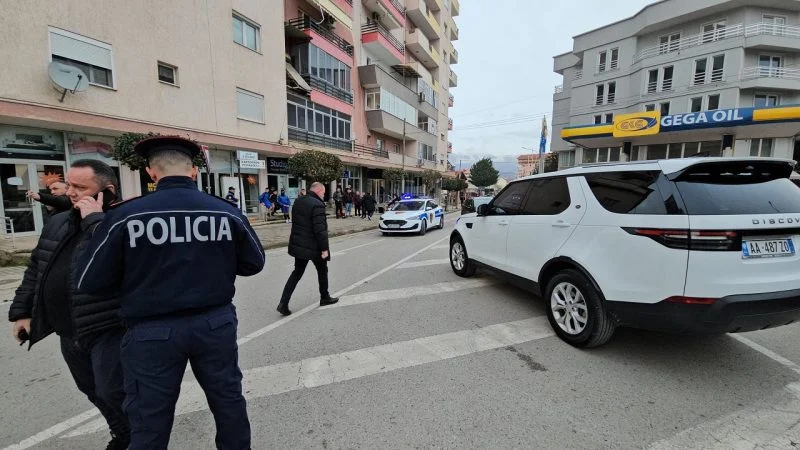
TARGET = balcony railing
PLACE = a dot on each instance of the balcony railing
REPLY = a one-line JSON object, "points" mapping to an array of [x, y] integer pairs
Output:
{"points": [[375, 26], [305, 23], [652, 87], [450, 100], [329, 89], [398, 6], [559, 89], [449, 124], [773, 30], [304, 137], [690, 41], [666, 85], [789, 73], [603, 67], [372, 151]]}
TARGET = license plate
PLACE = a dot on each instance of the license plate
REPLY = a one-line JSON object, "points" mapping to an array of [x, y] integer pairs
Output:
{"points": [[393, 225], [767, 248]]}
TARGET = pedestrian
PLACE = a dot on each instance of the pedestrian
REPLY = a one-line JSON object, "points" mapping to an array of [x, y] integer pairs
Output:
{"points": [[302, 192], [309, 242], [348, 203], [48, 301], [264, 200], [285, 203], [273, 198], [337, 201], [173, 256], [231, 197], [357, 203], [368, 204], [56, 201]]}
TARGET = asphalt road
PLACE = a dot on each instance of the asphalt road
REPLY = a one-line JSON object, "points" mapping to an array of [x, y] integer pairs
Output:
{"points": [[415, 357]]}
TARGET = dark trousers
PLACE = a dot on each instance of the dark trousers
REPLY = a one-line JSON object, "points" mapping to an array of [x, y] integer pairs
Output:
{"points": [[95, 367], [300, 268], [154, 357], [339, 210]]}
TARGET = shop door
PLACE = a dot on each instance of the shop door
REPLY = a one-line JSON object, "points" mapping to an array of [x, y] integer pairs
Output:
{"points": [[16, 179]]}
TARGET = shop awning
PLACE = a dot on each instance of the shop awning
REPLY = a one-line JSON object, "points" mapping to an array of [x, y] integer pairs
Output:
{"points": [[294, 79]]}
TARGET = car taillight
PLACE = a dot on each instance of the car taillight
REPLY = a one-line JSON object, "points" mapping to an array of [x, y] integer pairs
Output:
{"points": [[691, 300], [691, 240]]}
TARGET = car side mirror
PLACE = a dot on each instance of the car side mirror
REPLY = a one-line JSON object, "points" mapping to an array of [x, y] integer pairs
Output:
{"points": [[483, 210]]}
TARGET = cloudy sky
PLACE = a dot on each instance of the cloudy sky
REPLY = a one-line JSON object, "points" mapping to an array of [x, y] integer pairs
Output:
{"points": [[505, 70]]}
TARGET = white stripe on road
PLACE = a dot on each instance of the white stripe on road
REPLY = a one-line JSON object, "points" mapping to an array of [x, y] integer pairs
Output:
{"points": [[323, 370], [767, 352], [314, 306], [428, 262], [412, 292], [442, 246], [342, 252], [55, 430]]}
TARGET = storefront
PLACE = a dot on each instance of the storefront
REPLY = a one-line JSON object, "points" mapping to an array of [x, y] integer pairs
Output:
{"points": [[351, 178], [741, 132], [278, 177], [239, 170]]}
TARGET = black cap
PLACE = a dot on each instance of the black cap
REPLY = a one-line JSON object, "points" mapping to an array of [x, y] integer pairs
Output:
{"points": [[146, 147]]}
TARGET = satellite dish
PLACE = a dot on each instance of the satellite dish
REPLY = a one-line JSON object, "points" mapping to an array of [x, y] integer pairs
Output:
{"points": [[67, 78]]}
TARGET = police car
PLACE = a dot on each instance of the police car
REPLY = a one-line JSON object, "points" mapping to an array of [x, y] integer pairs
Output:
{"points": [[412, 215]]}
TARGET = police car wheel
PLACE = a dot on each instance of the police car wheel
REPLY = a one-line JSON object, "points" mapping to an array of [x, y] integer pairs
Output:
{"points": [[441, 223], [423, 227]]}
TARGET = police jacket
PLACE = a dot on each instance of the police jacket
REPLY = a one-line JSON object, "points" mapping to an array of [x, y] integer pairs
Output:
{"points": [[175, 251], [90, 314], [309, 236]]}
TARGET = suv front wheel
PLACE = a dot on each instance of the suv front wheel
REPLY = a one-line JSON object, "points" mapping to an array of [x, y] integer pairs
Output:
{"points": [[575, 310], [459, 260]]}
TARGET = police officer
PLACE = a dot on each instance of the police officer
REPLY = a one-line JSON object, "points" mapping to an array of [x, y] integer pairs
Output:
{"points": [[174, 256]]}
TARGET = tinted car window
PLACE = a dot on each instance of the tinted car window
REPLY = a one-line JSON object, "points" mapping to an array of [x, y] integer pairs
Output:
{"points": [[717, 198], [547, 197], [510, 200], [628, 192]]}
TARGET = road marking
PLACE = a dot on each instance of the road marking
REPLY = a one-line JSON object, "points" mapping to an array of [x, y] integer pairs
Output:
{"points": [[341, 252], [323, 370], [442, 246], [314, 306], [412, 291], [768, 353], [429, 262], [55, 430]]}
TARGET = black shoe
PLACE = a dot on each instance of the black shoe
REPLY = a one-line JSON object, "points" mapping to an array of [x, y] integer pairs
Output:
{"points": [[119, 442], [328, 301], [284, 309]]}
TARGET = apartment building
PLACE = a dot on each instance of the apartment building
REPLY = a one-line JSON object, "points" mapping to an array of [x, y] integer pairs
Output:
{"points": [[682, 78], [254, 81], [528, 164]]}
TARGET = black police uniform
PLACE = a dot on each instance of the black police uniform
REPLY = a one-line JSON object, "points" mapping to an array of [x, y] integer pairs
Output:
{"points": [[173, 256]]}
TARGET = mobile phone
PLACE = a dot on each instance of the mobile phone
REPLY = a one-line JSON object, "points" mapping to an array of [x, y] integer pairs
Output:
{"points": [[108, 197], [23, 337]]}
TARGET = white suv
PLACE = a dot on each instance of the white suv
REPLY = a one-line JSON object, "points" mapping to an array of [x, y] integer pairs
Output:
{"points": [[698, 245]]}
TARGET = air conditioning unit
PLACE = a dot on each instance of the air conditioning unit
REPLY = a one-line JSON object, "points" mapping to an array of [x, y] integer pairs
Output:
{"points": [[422, 97], [329, 21]]}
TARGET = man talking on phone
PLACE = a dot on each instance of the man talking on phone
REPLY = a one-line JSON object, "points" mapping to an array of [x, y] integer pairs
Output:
{"points": [[48, 300]]}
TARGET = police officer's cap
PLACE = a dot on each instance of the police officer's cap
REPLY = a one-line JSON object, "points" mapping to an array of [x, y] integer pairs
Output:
{"points": [[148, 147]]}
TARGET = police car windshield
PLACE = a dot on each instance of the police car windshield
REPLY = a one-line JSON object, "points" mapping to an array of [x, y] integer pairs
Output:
{"points": [[408, 206]]}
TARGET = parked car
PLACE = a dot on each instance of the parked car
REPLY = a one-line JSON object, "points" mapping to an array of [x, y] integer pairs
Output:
{"points": [[471, 205], [697, 245], [412, 216]]}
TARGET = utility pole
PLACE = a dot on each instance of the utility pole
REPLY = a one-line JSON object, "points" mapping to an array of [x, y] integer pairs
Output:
{"points": [[403, 180]]}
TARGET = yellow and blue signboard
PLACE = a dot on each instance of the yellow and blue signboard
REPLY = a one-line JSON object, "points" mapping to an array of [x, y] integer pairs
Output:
{"points": [[652, 123]]}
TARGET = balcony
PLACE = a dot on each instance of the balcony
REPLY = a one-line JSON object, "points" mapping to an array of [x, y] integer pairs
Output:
{"points": [[453, 30], [767, 36], [377, 39], [420, 47], [434, 5], [449, 147], [418, 12], [450, 124], [382, 122], [771, 78], [453, 79], [684, 43], [450, 100], [455, 8], [326, 88], [559, 89], [374, 77], [391, 12], [370, 151], [317, 140], [453, 55], [312, 29]]}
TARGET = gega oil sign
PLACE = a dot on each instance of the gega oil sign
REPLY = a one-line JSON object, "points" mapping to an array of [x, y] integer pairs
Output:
{"points": [[637, 124]]}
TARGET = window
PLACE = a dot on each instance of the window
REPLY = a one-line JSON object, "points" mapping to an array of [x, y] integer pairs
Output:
{"points": [[598, 119], [396, 148], [775, 25], [696, 104], [628, 192], [652, 81], [674, 151], [740, 193], [589, 156], [425, 151], [379, 145], [666, 81], [766, 100], [761, 147], [246, 33], [614, 58], [612, 92], [600, 94], [717, 68], [386, 101], [547, 197], [317, 119], [509, 200], [442, 134], [700, 71], [650, 107], [249, 105], [601, 65], [669, 43], [603, 62], [713, 31], [167, 73], [613, 154], [770, 66], [713, 102], [610, 118], [566, 159], [664, 109], [92, 57], [656, 151]]}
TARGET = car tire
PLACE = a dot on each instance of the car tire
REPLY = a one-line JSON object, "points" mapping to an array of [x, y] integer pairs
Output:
{"points": [[441, 223], [567, 294], [423, 227], [459, 259]]}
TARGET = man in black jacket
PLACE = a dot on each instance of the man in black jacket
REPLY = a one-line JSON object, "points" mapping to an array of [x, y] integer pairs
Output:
{"points": [[48, 301], [56, 201], [309, 242]]}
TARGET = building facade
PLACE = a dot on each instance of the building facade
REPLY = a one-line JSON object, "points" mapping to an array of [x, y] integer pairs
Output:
{"points": [[254, 81], [528, 164], [682, 78]]}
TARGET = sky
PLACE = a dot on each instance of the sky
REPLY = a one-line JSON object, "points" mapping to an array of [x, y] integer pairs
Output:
{"points": [[505, 71]]}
